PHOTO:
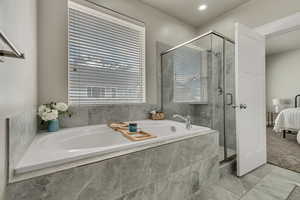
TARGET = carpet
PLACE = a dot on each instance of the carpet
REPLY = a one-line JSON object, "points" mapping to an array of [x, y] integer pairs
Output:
{"points": [[282, 152]]}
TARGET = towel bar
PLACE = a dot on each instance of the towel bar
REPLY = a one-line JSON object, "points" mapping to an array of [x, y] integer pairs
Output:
{"points": [[14, 53]]}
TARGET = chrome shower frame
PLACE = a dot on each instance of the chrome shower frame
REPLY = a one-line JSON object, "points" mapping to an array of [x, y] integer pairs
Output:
{"points": [[197, 38], [225, 38]]}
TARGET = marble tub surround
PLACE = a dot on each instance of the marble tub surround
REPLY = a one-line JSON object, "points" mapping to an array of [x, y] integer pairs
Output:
{"points": [[172, 171], [73, 144], [21, 132], [102, 114]]}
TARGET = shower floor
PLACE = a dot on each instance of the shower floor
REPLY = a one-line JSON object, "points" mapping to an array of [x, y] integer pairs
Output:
{"points": [[230, 152]]}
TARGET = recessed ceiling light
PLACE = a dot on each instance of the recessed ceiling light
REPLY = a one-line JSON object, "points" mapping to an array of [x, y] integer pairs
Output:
{"points": [[202, 7]]}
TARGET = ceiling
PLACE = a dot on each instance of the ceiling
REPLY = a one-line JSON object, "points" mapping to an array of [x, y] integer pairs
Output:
{"points": [[284, 42], [187, 10]]}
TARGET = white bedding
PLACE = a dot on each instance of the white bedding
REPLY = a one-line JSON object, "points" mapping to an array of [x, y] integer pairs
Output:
{"points": [[288, 119]]}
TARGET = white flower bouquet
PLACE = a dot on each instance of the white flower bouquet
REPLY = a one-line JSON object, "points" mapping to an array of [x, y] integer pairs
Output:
{"points": [[50, 113]]}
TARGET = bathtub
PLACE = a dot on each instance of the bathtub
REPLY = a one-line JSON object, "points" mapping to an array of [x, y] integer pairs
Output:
{"points": [[72, 144]]}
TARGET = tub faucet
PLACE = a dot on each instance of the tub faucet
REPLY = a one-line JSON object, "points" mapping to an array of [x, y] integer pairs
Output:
{"points": [[187, 119]]}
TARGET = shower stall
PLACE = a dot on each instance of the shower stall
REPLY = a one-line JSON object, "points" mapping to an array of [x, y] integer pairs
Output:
{"points": [[197, 79]]}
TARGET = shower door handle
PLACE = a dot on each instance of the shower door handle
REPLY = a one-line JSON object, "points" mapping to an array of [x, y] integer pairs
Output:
{"points": [[241, 106]]}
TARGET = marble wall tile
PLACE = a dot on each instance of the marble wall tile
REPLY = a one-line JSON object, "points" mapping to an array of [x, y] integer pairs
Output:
{"points": [[210, 166], [183, 157], [141, 175], [93, 115], [135, 171], [62, 185], [22, 130], [161, 160], [79, 117], [203, 173], [105, 182], [179, 185]]}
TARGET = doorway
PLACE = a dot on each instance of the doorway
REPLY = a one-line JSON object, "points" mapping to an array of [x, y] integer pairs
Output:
{"points": [[283, 99]]}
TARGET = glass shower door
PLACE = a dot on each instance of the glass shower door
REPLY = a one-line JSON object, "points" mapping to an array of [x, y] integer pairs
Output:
{"points": [[230, 117], [185, 82], [197, 79], [217, 92]]}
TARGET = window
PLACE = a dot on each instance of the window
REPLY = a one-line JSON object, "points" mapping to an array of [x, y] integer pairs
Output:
{"points": [[106, 58]]}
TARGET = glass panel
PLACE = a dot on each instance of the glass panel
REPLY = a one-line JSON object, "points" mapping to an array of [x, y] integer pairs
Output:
{"points": [[198, 80], [190, 75], [218, 92], [185, 82], [230, 130]]}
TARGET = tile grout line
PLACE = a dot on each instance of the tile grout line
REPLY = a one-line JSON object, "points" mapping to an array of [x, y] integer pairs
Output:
{"points": [[253, 187], [291, 192], [272, 170], [256, 183]]}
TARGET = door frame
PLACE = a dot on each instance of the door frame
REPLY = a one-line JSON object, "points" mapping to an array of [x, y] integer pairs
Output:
{"points": [[280, 26]]}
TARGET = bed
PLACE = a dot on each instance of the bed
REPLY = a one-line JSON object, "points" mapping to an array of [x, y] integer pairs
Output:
{"points": [[288, 120]]}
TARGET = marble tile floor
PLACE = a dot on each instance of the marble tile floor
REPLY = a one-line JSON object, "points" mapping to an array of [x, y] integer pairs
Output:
{"points": [[268, 182], [295, 195]]}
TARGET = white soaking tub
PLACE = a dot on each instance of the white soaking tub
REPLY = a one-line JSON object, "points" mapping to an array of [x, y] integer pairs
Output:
{"points": [[72, 144]]}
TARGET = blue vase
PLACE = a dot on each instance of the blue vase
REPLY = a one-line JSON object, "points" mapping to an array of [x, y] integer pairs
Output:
{"points": [[53, 125]]}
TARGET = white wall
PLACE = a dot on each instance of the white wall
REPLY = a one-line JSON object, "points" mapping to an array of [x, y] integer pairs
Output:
{"points": [[18, 78], [53, 46], [2, 135], [53, 53], [252, 14], [283, 76]]}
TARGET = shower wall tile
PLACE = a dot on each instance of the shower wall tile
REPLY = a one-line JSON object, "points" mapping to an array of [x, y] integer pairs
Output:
{"points": [[156, 174]]}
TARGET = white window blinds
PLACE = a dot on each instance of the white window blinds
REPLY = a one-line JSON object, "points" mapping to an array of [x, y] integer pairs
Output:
{"points": [[106, 58]]}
